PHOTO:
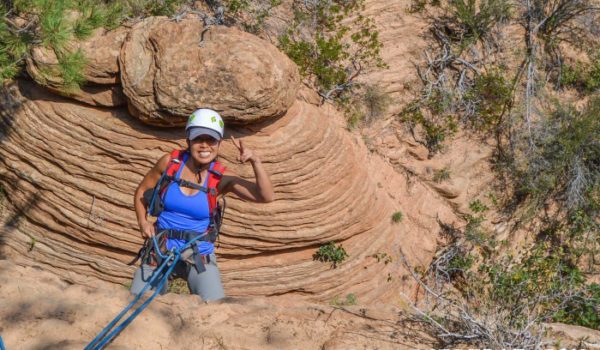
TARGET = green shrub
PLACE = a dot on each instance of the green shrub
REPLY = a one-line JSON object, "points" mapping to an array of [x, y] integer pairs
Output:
{"points": [[592, 81], [583, 77], [248, 15], [477, 206], [331, 253], [491, 95], [178, 286], [572, 75], [348, 301], [441, 175], [322, 58], [504, 296], [328, 51], [474, 232], [436, 128], [563, 164], [476, 19], [397, 217], [460, 262], [544, 282], [376, 101], [582, 310]]}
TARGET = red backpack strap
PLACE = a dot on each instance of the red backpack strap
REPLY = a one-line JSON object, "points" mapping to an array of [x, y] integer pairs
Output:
{"points": [[215, 173], [175, 161]]}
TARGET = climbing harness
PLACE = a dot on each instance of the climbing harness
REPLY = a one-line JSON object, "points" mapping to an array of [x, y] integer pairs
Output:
{"points": [[168, 262]]}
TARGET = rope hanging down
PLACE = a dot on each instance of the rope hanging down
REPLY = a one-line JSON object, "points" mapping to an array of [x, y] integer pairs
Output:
{"points": [[112, 330]]}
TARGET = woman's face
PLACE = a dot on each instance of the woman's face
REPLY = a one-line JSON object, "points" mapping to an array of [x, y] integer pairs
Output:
{"points": [[204, 149]]}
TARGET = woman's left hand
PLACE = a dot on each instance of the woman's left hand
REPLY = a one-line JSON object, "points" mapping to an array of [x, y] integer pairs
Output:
{"points": [[246, 154], [261, 191]]}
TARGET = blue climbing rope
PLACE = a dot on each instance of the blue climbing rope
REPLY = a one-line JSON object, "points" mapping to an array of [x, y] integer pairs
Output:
{"points": [[112, 330], [2, 344]]}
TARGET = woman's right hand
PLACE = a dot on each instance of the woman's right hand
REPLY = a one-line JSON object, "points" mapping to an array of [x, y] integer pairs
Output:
{"points": [[147, 229]]}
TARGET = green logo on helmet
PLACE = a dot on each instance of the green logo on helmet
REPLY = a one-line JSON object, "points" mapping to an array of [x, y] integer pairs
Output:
{"points": [[192, 117], [213, 119], [221, 123]]}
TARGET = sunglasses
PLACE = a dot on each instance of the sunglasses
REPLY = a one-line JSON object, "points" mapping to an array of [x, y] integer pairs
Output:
{"points": [[209, 140]]}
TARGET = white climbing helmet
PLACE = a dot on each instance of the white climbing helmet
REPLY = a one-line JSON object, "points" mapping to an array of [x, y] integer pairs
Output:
{"points": [[204, 121]]}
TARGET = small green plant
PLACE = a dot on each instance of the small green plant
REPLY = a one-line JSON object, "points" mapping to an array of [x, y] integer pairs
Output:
{"points": [[354, 117], [348, 301], [493, 198], [397, 217], [487, 100], [477, 206], [32, 243], [429, 114], [178, 286], [583, 309], [331, 253], [461, 262], [581, 76], [572, 75], [385, 257], [376, 101], [441, 175], [476, 19], [564, 162], [474, 232]]}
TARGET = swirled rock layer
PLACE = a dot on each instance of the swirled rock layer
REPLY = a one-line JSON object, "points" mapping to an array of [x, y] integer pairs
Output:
{"points": [[69, 172], [169, 69]]}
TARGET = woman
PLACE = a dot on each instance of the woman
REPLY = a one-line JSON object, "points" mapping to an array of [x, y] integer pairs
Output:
{"points": [[187, 208]]}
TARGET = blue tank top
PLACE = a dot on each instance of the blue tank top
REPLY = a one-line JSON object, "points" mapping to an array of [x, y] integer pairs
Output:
{"points": [[184, 212]]}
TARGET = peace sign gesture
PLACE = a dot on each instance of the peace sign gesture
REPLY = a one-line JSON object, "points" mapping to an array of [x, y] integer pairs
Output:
{"points": [[245, 153]]}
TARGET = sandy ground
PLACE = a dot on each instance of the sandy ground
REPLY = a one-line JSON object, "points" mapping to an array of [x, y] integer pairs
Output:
{"points": [[38, 311]]}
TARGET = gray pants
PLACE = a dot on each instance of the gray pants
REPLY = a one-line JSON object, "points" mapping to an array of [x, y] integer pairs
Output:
{"points": [[206, 284]]}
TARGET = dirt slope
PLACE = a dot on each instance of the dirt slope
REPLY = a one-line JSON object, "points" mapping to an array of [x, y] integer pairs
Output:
{"points": [[40, 311]]}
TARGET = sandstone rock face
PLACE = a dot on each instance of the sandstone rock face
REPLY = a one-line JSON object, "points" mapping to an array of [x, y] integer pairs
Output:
{"points": [[402, 36], [169, 69], [101, 70], [71, 183], [71, 170], [102, 55]]}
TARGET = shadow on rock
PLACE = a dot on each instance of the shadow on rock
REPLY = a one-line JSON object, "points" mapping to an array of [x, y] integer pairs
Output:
{"points": [[10, 105], [12, 222]]}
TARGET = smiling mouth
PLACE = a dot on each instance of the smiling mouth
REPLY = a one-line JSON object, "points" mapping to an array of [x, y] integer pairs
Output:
{"points": [[204, 154]]}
